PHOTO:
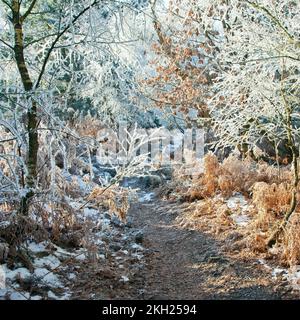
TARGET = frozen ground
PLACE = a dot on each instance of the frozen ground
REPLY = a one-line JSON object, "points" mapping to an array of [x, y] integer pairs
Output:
{"points": [[56, 269], [239, 206], [146, 257]]}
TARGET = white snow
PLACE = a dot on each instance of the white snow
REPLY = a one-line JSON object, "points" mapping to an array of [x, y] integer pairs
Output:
{"points": [[36, 247], [2, 278], [36, 298], [7, 287], [4, 224], [48, 261], [3, 292], [293, 276], [238, 203], [81, 256], [12, 275], [48, 277], [278, 271], [19, 296], [146, 197], [240, 219], [71, 276], [124, 279], [91, 213], [137, 256], [136, 246]]}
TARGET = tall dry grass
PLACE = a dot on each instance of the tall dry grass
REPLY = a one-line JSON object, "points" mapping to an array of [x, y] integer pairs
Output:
{"points": [[268, 192]]}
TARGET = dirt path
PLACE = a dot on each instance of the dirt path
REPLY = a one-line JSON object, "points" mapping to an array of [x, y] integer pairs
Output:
{"points": [[184, 264]]}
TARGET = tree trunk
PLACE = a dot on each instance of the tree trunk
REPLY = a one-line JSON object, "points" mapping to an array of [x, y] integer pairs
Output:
{"points": [[293, 204], [272, 240], [32, 120]]}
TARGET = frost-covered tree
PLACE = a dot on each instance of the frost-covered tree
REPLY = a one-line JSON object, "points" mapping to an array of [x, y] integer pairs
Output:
{"points": [[47, 52], [256, 96]]}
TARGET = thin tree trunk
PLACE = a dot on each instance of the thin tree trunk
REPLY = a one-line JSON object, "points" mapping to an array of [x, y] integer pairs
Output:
{"points": [[293, 204], [272, 240], [32, 120]]}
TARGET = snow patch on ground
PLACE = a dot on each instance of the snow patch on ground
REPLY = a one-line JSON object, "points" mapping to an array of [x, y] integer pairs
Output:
{"points": [[19, 273], [124, 279], [45, 265], [146, 196], [53, 296], [240, 219], [19, 296], [48, 277], [292, 275], [48, 261], [238, 203], [12, 289], [37, 247], [91, 213], [115, 244]]}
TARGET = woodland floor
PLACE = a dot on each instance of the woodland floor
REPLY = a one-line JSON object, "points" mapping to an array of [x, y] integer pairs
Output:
{"points": [[180, 263], [190, 264]]}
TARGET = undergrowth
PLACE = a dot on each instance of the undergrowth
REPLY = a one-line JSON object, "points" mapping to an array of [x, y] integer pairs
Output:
{"points": [[267, 190]]}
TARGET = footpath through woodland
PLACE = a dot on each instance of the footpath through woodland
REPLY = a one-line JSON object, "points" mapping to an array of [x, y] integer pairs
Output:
{"points": [[190, 264]]}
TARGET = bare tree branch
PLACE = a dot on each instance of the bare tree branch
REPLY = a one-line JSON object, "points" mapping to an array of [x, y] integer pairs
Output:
{"points": [[97, 42], [269, 58], [28, 10], [39, 39], [40, 12], [59, 35], [5, 2], [7, 44], [272, 17]]}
